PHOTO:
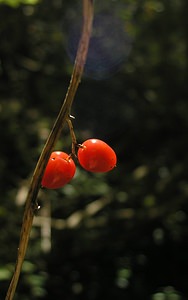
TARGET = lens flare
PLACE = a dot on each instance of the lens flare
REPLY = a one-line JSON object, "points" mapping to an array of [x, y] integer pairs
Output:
{"points": [[109, 47]]}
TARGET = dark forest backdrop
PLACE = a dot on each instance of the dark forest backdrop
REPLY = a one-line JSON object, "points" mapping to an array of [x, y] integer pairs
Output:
{"points": [[121, 235]]}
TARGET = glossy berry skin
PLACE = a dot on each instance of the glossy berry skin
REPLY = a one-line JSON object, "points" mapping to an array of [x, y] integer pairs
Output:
{"points": [[59, 171], [96, 156]]}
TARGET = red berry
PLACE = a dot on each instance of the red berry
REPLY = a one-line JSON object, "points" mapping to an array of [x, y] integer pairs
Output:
{"points": [[96, 156], [59, 171]]}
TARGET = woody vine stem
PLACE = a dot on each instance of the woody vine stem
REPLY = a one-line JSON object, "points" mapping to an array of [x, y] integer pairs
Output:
{"points": [[31, 200]]}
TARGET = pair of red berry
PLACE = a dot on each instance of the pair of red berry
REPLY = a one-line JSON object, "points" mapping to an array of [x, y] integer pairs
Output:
{"points": [[93, 155]]}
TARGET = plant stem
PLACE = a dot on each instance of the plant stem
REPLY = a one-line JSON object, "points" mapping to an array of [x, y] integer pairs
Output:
{"points": [[31, 201], [73, 136]]}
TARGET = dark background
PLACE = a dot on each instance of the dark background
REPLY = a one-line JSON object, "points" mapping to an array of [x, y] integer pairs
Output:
{"points": [[121, 235]]}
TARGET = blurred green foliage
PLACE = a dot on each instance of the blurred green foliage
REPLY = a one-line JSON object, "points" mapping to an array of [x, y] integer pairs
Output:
{"points": [[118, 235], [15, 3]]}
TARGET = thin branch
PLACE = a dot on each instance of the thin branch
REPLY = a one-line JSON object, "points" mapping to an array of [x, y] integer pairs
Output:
{"points": [[73, 137], [31, 200]]}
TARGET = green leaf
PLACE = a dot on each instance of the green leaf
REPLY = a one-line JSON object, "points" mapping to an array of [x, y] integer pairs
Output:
{"points": [[5, 274], [15, 3]]}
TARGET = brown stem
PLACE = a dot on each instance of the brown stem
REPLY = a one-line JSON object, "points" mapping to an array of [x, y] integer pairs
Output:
{"points": [[31, 200], [73, 136]]}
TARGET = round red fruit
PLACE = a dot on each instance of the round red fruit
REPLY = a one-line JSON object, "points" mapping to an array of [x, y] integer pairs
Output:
{"points": [[96, 156], [59, 171]]}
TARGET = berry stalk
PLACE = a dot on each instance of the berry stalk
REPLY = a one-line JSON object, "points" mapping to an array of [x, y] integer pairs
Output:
{"points": [[31, 201]]}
